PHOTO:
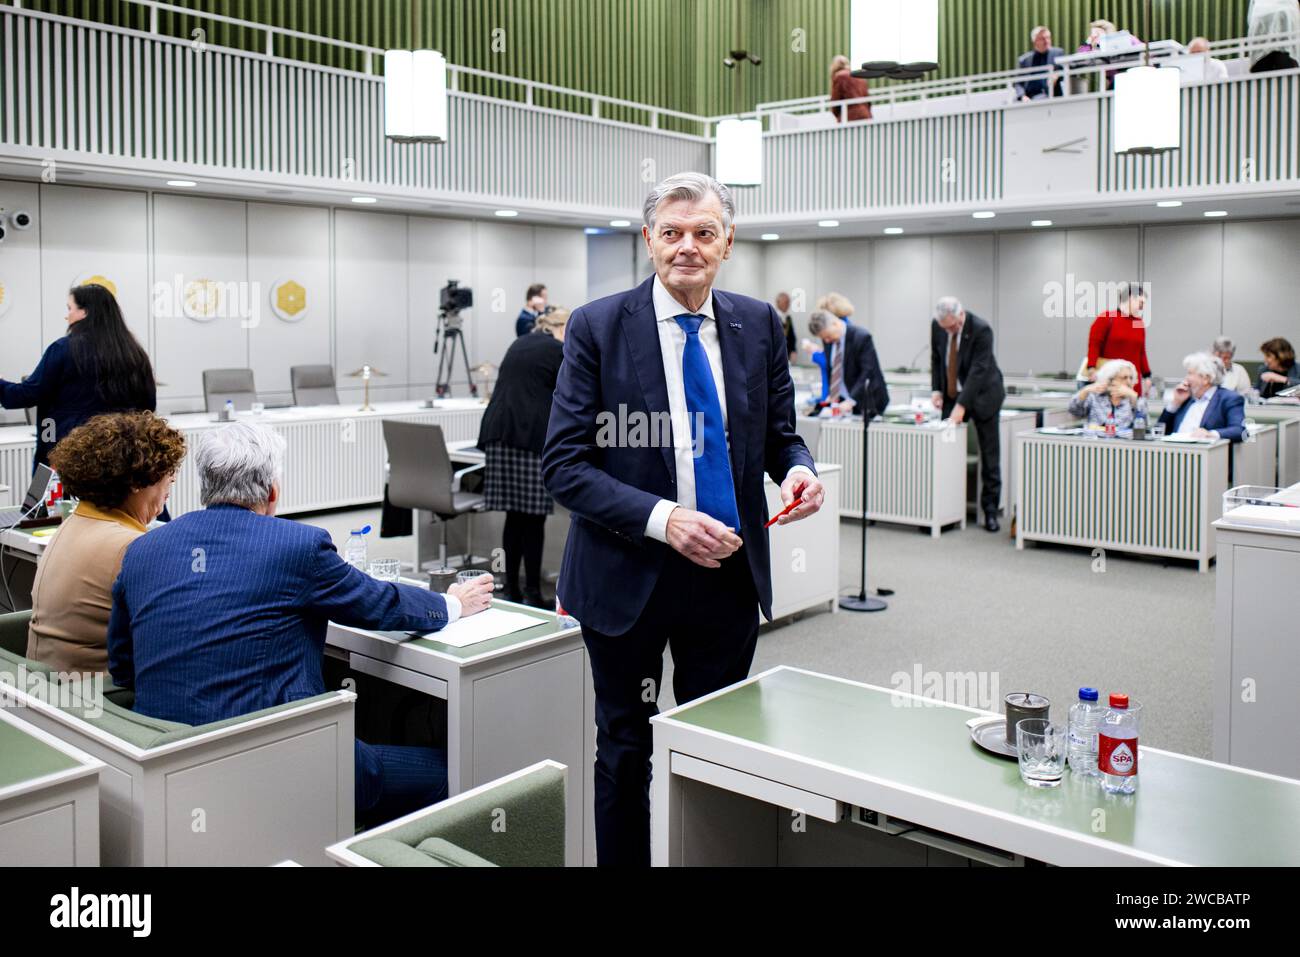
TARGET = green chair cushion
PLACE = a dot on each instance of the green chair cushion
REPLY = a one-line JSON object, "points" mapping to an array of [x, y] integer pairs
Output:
{"points": [[386, 852], [451, 855], [518, 823], [13, 631]]}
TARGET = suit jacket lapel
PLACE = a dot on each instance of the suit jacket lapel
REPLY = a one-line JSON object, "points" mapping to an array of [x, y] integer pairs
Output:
{"points": [[642, 335], [735, 378]]}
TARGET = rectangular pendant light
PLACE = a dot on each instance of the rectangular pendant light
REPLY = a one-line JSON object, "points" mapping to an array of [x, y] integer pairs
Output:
{"points": [[739, 152], [897, 31], [415, 96], [1147, 110]]}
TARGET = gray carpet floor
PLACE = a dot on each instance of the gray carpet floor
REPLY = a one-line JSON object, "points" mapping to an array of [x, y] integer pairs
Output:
{"points": [[1047, 619]]}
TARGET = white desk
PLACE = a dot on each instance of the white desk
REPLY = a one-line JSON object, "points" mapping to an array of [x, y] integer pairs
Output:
{"points": [[334, 457], [1257, 647], [1151, 497], [917, 473], [49, 799], [511, 701]]}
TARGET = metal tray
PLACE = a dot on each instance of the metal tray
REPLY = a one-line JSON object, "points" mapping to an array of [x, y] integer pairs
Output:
{"points": [[990, 733]]}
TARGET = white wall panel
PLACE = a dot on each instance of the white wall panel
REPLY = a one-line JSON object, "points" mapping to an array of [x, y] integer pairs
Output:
{"points": [[900, 301], [21, 342], [370, 289], [503, 271], [962, 266], [560, 261], [744, 272], [95, 232], [1186, 303], [441, 250], [845, 267], [611, 264], [198, 239], [1261, 284], [288, 244], [1028, 339]]}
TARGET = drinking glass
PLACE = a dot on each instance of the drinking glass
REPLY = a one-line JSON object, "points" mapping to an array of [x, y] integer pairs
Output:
{"points": [[1042, 746], [469, 575], [385, 569], [1158, 430]]}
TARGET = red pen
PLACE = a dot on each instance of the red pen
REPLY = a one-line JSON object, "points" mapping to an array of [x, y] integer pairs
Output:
{"points": [[785, 511]]}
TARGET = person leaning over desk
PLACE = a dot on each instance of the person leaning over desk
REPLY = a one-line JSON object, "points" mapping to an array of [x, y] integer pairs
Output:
{"points": [[121, 467], [1111, 396], [223, 612], [1200, 408], [667, 546], [1280, 371], [97, 367], [512, 435], [852, 365]]}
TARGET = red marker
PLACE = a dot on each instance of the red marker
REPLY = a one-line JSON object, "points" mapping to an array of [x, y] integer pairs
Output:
{"points": [[785, 511]]}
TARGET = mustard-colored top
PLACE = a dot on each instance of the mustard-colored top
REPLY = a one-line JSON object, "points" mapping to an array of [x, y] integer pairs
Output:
{"points": [[72, 594]]}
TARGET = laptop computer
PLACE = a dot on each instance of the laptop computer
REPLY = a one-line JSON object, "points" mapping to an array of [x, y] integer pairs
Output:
{"points": [[11, 516]]}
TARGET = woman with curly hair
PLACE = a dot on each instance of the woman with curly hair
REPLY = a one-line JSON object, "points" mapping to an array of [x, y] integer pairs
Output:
{"points": [[121, 467]]}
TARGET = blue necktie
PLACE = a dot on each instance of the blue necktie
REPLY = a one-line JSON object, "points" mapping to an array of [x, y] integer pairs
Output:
{"points": [[715, 494]]}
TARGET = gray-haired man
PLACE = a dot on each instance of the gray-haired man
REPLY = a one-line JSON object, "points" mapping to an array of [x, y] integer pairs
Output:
{"points": [[967, 386]]}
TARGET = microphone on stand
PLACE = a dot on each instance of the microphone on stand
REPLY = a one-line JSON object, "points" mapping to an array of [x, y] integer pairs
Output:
{"points": [[862, 601]]}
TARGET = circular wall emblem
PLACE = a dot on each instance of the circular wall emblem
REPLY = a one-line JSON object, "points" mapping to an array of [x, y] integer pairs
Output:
{"points": [[289, 300], [95, 279], [6, 297], [202, 299]]}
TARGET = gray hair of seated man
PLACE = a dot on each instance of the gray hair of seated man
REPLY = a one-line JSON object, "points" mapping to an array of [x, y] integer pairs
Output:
{"points": [[948, 306], [692, 186], [1204, 364], [1224, 344], [238, 463]]}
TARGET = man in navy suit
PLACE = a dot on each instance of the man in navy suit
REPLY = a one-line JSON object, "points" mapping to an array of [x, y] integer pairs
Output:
{"points": [[1044, 56], [223, 612], [852, 363], [673, 401], [1200, 408]]}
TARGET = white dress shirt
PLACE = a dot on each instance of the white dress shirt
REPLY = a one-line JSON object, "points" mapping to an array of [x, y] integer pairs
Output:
{"points": [[1195, 412], [1237, 379], [672, 345]]}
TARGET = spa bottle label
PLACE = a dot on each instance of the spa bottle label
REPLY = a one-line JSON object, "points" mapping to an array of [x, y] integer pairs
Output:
{"points": [[1117, 756]]}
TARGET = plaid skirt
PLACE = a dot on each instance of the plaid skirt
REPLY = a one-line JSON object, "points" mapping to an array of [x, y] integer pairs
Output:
{"points": [[512, 481]]}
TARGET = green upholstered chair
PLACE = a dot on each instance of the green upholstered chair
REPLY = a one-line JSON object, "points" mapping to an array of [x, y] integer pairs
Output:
{"points": [[13, 632], [514, 821]]}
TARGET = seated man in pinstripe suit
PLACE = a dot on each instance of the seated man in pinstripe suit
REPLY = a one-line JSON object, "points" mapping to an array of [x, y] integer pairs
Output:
{"points": [[224, 611]]}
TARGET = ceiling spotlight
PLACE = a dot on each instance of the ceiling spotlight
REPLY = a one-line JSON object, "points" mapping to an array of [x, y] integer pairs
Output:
{"points": [[507, 213], [984, 214], [740, 56], [1169, 203], [183, 183], [364, 200], [771, 237], [893, 230], [1041, 222], [620, 223], [1215, 213], [828, 223]]}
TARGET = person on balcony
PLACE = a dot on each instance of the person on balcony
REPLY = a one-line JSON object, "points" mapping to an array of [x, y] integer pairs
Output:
{"points": [[1043, 55], [1215, 70], [846, 86], [1268, 18]]}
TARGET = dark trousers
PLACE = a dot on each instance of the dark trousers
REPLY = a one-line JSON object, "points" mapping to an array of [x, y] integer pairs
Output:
{"points": [[709, 618], [988, 434], [392, 781], [523, 538]]}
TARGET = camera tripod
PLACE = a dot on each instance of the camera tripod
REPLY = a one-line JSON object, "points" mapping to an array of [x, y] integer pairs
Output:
{"points": [[449, 334]]}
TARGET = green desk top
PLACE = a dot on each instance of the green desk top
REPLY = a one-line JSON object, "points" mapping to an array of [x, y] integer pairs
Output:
{"points": [[24, 757], [1184, 810], [547, 624]]}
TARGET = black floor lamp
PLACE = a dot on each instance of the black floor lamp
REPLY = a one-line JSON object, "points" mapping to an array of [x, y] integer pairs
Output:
{"points": [[862, 601]]}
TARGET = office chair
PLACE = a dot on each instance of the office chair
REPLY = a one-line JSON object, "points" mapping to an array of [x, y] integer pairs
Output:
{"points": [[421, 477], [313, 385], [233, 384]]}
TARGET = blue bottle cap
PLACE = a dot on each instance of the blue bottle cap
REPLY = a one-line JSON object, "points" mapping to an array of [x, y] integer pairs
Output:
{"points": [[360, 531], [1087, 694]]}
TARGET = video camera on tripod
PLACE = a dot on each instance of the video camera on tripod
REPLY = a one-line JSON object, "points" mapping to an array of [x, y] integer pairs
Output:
{"points": [[451, 301]]}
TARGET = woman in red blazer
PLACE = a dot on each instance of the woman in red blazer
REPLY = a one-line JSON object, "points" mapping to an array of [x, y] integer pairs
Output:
{"points": [[1121, 333], [846, 86]]}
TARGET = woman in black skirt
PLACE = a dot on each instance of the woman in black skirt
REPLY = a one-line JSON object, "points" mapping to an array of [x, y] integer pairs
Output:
{"points": [[512, 434]]}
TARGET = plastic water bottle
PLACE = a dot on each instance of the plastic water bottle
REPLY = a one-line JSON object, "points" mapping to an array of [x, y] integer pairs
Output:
{"points": [[354, 552], [1117, 745], [1110, 423], [563, 618], [1140, 420], [1085, 717], [230, 410]]}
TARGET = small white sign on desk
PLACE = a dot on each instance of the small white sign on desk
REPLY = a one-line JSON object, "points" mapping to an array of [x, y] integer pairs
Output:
{"points": [[486, 625]]}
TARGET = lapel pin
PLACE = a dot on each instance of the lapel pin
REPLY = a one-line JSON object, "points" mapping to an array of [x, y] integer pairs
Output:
{"points": [[734, 325]]}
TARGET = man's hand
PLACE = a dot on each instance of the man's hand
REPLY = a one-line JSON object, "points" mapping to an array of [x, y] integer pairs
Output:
{"points": [[805, 486], [936, 400], [1181, 394], [474, 595], [958, 414], [701, 538]]}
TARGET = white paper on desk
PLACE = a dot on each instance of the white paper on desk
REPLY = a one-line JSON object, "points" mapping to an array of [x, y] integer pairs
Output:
{"points": [[1187, 437], [492, 623]]}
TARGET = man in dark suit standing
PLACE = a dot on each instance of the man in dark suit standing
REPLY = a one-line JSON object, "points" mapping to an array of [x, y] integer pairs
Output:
{"points": [[854, 368], [534, 306], [787, 323], [673, 401], [967, 386]]}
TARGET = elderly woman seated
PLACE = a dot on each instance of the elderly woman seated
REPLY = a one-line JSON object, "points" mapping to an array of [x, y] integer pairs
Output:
{"points": [[1201, 407], [1113, 395], [121, 467]]}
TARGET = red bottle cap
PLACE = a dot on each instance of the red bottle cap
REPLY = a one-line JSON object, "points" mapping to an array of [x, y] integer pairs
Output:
{"points": [[1119, 701]]}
